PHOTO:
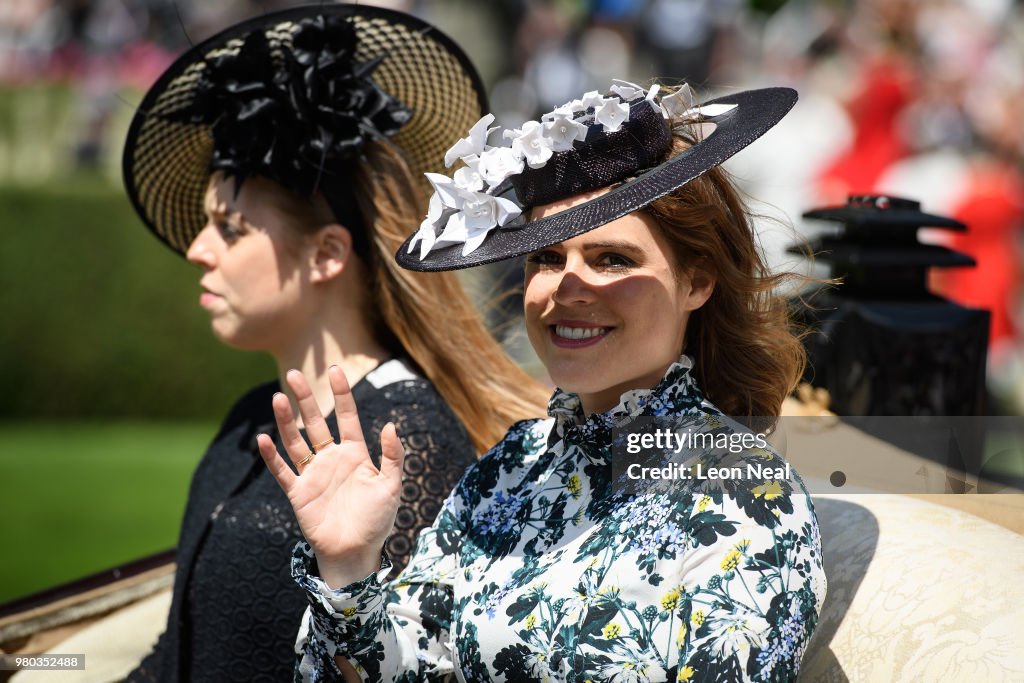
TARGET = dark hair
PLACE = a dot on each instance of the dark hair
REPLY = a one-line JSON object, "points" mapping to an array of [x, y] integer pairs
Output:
{"points": [[747, 353]]}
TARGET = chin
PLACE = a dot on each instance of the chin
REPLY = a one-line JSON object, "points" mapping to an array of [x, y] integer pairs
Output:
{"points": [[235, 338]]}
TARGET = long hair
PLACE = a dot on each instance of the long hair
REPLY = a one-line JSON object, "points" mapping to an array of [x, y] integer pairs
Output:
{"points": [[747, 354], [429, 315]]}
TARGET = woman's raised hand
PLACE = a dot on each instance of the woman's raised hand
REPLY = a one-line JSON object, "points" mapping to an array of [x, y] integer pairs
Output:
{"points": [[345, 506]]}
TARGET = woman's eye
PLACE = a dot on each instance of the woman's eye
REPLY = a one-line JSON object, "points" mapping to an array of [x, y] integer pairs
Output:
{"points": [[229, 230], [544, 258], [614, 261]]}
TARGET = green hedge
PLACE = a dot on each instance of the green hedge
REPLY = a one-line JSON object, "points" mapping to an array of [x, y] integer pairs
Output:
{"points": [[101, 319]]}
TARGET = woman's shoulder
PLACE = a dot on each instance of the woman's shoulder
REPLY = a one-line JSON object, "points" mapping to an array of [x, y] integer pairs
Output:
{"points": [[396, 381], [523, 442]]}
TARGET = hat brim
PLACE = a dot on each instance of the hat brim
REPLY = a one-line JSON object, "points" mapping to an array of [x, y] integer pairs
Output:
{"points": [[166, 163], [901, 218], [755, 113]]}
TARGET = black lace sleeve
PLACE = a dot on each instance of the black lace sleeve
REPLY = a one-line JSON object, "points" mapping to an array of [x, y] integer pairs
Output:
{"points": [[438, 451]]}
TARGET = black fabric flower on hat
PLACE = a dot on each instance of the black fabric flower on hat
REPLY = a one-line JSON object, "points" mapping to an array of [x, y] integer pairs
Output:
{"points": [[294, 113]]}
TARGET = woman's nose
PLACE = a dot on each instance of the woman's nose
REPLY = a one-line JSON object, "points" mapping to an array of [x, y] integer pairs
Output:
{"points": [[202, 250], [573, 286]]}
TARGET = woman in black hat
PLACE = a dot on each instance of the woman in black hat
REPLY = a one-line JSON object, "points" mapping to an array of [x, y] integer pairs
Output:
{"points": [[283, 156], [563, 554]]}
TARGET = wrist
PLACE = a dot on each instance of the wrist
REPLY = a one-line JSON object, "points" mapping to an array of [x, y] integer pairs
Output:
{"points": [[342, 571]]}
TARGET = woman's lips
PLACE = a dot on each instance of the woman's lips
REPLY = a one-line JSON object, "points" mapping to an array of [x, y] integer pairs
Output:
{"points": [[576, 336], [208, 299]]}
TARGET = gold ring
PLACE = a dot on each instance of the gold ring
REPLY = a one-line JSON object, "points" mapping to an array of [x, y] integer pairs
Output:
{"points": [[322, 444], [305, 461]]}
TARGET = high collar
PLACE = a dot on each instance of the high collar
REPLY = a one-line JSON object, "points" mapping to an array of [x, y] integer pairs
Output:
{"points": [[676, 394]]}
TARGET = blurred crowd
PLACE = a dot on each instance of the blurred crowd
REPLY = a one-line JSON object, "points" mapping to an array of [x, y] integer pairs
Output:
{"points": [[916, 98]]}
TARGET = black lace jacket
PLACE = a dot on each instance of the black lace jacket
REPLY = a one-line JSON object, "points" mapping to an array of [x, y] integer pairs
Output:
{"points": [[239, 530]]}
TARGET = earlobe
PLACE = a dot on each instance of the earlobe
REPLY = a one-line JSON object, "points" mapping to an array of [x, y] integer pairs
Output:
{"points": [[333, 248]]}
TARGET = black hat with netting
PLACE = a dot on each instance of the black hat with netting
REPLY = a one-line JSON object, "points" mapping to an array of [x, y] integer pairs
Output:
{"points": [[294, 96]]}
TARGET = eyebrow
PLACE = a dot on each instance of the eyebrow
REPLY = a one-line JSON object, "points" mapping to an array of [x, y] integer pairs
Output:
{"points": [[213, 208], [616, 245]]}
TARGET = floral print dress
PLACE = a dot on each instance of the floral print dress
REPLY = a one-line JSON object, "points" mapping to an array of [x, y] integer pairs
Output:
{"points": [[538, 569]]}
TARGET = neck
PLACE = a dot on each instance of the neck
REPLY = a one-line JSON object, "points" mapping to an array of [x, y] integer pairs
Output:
{"points": [[352, 347]]}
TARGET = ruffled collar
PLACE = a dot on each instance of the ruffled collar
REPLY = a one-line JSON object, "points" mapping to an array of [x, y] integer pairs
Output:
{"points": [[676, 394]]}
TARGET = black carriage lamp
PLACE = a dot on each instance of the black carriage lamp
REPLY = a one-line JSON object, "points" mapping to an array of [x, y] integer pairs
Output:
{"points": [[884, 344]]}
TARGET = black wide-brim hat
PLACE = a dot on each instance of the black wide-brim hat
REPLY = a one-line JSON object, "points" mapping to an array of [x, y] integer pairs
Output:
{"points": [[166, 161], [754, 113]]}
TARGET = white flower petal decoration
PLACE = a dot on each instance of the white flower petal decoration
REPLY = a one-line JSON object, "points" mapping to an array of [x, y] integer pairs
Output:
{"points": [[507, 210], [592, 99], [562, 130], [498, 163], [652, 94], [454, 231], [435, 209], [480, 212], [612, 114], [468, 178], [678, 103], [425, 236], [626, 90], [474, 240], [472, 144], [445, 189], [531, 144]]}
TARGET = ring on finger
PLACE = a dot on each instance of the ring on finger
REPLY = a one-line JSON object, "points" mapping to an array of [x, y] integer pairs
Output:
{"points": [[322, 444], [305, 461]]}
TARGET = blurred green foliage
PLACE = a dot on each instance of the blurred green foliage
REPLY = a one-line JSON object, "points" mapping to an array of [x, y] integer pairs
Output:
{"points": [[101, 319], [79, 498]]}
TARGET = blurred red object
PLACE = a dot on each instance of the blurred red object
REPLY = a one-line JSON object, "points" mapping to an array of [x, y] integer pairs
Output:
{"points": [[993, 209], [886, 88]]}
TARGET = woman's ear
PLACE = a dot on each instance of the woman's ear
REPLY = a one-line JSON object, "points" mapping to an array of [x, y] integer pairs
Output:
{"points": [[332, 250], [701, 285]]}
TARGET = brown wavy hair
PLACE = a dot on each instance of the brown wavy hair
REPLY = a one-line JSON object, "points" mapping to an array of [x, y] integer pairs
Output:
{"points": [[427, 316], [747, 349]]}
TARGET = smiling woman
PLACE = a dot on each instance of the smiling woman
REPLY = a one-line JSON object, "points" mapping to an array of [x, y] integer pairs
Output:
{"points": [[645, 297]]}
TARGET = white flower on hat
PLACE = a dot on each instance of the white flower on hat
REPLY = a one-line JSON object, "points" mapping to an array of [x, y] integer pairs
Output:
{"points": [[612, 114], [530, 143], [468, 177], [563, 129], [472, 144], [592, 99], [478, 215], [445, 189], [678, 103], [498, 163], [445, 202], [626, 90]]}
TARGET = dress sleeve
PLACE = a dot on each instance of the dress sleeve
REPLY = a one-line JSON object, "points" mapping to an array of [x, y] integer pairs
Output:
{"points": [[388, 631], [748, 601]]}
